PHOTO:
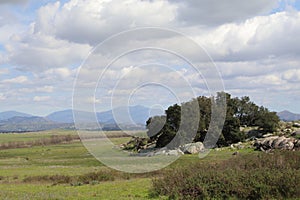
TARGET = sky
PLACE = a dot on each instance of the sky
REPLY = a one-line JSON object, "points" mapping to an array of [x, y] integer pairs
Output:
{"points": [[54, 51]]}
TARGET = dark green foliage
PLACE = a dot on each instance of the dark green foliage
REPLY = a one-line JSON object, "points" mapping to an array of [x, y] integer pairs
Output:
{"points": [[195, 121], [155, 124], [261, 176], [268, 121]]}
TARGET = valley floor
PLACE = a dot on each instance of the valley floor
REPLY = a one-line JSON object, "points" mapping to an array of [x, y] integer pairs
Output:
{"points": [[68, 171]]}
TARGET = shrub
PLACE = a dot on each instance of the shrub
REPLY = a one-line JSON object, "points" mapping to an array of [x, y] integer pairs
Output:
{"points": [[96, 177], [261, 176], [55, 179]]}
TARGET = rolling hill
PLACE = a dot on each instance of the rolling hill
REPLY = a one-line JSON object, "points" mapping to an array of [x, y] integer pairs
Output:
{"points": [[288, 116], [122, 117], [10, 114]]}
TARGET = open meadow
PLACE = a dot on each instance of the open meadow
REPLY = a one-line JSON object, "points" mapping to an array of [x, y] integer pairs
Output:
{"points": [[68, 171]]}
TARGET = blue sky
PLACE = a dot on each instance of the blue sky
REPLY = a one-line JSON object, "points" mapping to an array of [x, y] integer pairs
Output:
{"points": [[43, 44]]}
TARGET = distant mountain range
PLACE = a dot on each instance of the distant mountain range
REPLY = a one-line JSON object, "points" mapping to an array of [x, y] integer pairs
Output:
{"points": [[138, 114], [10, 114], [32, 123], [288, 116], [129, 117]]}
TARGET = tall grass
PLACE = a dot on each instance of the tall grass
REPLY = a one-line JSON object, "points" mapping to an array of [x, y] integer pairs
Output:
{"points": [[260, 176]]}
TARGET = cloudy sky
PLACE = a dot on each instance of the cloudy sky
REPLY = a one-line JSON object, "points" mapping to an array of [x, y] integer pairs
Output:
{"points": [[254, 49]]}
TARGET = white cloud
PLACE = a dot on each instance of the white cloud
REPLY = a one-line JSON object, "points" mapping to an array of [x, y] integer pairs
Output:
{"points": [[292, 75], [37, 52], [2, 97], [256, 52], [13, 1], [41, 98], [260, 37], [215, 12], [44, 89], [92, 21], [4, 71], [61, 73], [16, 80]]}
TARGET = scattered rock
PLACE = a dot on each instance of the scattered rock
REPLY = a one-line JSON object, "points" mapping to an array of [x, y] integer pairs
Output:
{"points": [[297, 125], [267, 135], [275, 142], [295, 133], [159, 152], [193, 148], [238, 145]]}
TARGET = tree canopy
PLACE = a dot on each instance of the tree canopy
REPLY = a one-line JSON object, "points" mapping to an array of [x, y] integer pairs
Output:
{"points": [[190, 121]]}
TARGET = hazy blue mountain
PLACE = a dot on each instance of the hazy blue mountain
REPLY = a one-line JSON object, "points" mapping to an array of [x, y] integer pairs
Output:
{"points": [[10, 114], [129, 118], [66, 116], [123, 115], [25, 120], [25, 124], [288, 116]]}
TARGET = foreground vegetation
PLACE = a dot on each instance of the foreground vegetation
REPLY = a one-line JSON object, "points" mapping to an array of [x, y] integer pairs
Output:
{"points": [[255, 176], [67, 171]]}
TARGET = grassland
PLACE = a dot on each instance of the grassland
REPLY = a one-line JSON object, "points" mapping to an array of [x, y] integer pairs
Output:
{"points": [[69, 171], [18, 165]]}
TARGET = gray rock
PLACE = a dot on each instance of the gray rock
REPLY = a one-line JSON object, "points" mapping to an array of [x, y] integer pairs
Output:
{"points": [[175, 152], [275, 142], [296, 125], [193, 148], [267, 135], [278, 142], [297, 144], [296, 133]]}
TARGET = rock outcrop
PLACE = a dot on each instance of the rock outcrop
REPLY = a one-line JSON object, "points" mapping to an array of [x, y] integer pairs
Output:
{"points": [[276, 142]]}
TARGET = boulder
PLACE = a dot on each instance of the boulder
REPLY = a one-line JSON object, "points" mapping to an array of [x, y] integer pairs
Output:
{"points": [[297, 125], [296, 133], [278, 142], [175, 152], [275, 142], [159, 152], [297, 144], [238, 145], [192, 148], [267, 135]]}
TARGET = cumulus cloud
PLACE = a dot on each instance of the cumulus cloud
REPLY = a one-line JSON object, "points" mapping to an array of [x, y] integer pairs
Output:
{"points": [[292, 75], [4, 71], [16, 80], [2, 97], [215, 12], [257, 38], [41, 98], [13, 2], [256, 51], [44, 89], [92, 21], [37, 52]]}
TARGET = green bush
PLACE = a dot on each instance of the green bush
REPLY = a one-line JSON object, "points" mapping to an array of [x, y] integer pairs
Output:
{"points": [[96, 176], [261, 176], [55, 179]]}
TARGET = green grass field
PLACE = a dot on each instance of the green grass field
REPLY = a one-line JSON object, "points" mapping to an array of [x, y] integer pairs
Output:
{"points": [[23, 171]]}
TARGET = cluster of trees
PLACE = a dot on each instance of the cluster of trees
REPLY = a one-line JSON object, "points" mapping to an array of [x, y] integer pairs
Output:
{"points": [[194, 121]]}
